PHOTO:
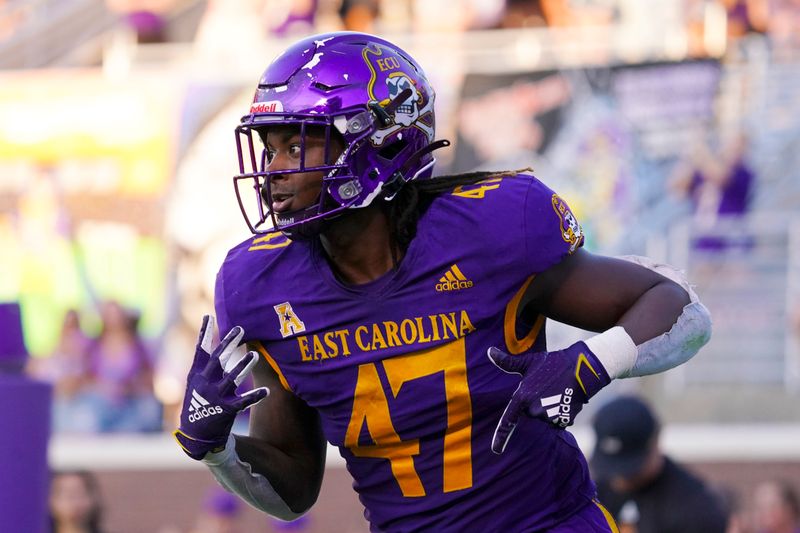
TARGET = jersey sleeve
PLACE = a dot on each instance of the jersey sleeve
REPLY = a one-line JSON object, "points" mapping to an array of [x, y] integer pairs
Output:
{"points": [[220, 307], [550, 229]]}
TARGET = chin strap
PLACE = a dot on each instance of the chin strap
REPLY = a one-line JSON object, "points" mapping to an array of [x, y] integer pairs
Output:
{"points": [[398, 179], [301, 232], [419, 154]]}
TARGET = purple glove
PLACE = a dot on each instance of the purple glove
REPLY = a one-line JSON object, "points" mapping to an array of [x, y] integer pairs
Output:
{"points": [[554, 386], [211, 403]]}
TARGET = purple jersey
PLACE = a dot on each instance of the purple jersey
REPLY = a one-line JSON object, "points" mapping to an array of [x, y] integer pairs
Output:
{"points": [[397, 368]]}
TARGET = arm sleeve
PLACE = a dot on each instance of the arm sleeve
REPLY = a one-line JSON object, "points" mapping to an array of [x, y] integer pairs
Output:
{"points": [[237, 477]]}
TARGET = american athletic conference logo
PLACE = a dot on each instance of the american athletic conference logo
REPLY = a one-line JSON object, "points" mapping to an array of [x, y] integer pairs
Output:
{"points": [[453, 280]]}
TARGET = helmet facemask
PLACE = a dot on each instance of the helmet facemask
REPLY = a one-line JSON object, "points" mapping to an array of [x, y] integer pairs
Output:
{"points": [[339, 188]]}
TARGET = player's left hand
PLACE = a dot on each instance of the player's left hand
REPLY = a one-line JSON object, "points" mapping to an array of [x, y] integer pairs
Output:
{"points": [[554, 386], [211, 402]]}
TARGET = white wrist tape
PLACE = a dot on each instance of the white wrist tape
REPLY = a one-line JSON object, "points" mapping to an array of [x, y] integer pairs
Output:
{"points": [[615, 350], [237, 477]]}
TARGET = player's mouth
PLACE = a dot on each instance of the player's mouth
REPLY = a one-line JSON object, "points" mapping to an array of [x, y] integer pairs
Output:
{"points": [[281, 202]]}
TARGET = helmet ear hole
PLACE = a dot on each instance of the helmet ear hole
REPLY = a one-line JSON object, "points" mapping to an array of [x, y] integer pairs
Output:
{"points": [[390, 152]]}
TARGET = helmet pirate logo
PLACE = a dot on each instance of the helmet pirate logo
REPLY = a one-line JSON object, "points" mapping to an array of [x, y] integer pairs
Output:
{"points": [[408, 113]]}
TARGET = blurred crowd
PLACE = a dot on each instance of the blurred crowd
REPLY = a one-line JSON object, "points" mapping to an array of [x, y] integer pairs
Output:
{"points": [[236, 21], [101, 383], [76, 504], [780, 19]]}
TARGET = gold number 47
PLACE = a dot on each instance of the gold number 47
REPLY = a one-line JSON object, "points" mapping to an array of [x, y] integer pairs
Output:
{"points": [[371, 407]]}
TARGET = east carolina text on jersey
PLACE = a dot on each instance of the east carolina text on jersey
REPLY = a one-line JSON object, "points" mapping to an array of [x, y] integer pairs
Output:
{"points": [[414, 331], [398, 369]]}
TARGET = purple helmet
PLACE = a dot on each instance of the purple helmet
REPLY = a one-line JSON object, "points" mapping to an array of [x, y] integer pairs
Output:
{"points": [[361, 88]]}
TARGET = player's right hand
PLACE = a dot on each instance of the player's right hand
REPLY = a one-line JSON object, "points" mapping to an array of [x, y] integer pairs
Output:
{"points": [[553, 388], [211, 402]]}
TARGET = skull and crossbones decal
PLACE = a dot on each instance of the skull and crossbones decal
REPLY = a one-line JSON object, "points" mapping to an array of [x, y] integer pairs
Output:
{"points": [[408, 112]]}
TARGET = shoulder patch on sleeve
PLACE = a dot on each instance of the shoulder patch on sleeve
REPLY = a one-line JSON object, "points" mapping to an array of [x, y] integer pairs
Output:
{"points": [[571, 231]]}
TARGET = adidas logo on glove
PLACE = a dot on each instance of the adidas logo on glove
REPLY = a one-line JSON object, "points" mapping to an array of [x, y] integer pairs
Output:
{"points": [[560, 413], [200, 408]]}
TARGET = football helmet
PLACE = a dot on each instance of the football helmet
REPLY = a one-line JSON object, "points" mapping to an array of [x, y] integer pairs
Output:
{"points": [[363, 89]]}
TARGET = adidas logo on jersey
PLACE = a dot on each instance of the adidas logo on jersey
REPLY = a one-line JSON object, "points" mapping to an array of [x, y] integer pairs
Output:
{"points": [[199, 408], [453, 280], [559, 406]]}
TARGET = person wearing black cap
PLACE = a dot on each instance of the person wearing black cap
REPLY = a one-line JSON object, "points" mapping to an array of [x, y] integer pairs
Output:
{"points": [[645, 490]]}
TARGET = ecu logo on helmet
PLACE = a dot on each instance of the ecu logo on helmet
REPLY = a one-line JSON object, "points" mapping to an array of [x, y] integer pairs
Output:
{"points": [[388, 80]]}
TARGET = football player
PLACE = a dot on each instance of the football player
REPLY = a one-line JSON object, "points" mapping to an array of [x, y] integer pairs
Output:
{"points": [[401, 317]]}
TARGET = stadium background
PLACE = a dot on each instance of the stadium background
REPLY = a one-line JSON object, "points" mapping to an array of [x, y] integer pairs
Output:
{"points": [[116, 153]]}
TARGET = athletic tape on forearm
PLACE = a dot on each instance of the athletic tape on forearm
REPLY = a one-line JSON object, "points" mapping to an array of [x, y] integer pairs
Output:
{"points": [[238, 477], [689, 333], [622, 358]]}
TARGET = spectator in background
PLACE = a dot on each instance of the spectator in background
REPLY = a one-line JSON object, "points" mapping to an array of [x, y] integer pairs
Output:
{"points": [[67, 369], [522, 14], [784, 28], [122, 374], [147, 19], [68, 362], [359, 15], [646, 491], [285, 18], [745, 17], [719, 186], [738, 517], [777, 508], [220, 513], [298, 525], [150, 27], [74, 503], [566, 13]]}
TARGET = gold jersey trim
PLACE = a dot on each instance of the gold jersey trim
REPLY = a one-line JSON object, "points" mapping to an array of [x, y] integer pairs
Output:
{"points": [[273, 364], [515, 345]]}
